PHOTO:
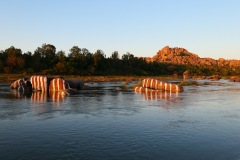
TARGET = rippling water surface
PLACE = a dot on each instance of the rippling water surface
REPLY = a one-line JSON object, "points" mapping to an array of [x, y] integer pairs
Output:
{"points": [[203, 122]]}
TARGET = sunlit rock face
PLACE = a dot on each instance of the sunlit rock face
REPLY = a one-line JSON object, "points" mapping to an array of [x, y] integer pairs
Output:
{"points": [[182, 56]]}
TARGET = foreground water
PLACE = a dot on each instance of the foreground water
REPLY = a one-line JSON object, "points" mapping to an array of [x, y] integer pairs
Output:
{"points": [[203, 122]]}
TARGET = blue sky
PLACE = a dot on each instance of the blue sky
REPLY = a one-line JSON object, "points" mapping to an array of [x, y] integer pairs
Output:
{"points": [[209, 28]]}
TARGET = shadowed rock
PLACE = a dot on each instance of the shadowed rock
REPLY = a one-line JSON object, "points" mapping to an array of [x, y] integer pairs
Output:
{"points": [[75, 84]]}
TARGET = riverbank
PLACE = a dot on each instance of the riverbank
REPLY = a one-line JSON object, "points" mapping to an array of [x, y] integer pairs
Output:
{"points": [[13, 77]]}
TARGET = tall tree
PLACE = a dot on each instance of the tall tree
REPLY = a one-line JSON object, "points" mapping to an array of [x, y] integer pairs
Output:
{"points": [[75, 52], [28, 59], [15, 59], [127, 56], [98, 57], [3, 59], [77, 60], [47, 54], [61, 65], [115, 55]]}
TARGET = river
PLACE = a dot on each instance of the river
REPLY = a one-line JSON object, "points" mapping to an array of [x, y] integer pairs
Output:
{"points": [[202, 122]]}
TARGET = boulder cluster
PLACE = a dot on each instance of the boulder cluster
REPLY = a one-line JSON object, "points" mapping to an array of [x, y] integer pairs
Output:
{"points": [[182, 56], [46, 84], [150, 84]]}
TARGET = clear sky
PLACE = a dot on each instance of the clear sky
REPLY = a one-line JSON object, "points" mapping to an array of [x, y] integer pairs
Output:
{"points": [[209, 28]]}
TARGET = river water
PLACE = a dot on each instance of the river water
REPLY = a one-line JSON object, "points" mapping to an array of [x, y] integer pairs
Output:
{"points": [[203, 122]]}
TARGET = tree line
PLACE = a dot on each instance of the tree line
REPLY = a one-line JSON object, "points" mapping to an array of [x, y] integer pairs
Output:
{"points": [[79, 61]]}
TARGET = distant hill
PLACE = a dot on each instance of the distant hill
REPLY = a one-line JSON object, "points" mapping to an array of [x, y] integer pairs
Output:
{"points": [[182, 56]]}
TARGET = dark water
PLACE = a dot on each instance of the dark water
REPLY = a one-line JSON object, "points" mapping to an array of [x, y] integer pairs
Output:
{"points": [[203, 122]]}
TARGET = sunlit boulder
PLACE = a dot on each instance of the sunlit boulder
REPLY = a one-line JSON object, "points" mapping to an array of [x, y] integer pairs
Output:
{"points": [[39, 83], [22, 85], [60, 85], [160, 85]]}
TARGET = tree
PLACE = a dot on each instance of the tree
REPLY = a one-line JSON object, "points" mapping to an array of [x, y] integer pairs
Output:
{"points": [[78, 59], [47, 54], [99, 62], [14, 59], [36, 61], [85, 51], [75, 52], [28, 59], [98, 57], [115, 55], [60, 67], [3, 57], [127, 56]]}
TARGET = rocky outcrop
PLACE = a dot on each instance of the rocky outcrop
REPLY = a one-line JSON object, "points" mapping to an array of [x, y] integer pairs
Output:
{"points": [[182, 56]]}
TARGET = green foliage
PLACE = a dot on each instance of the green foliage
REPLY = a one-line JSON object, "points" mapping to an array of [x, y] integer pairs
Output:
{"points": [[79, 61], [14, 59]]}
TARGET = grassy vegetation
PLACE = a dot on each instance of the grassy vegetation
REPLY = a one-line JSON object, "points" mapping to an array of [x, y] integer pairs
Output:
{"points": [[188, 83], [13, 77], [10, 77]]}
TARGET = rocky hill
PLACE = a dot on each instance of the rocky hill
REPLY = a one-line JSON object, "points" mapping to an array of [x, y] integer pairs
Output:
{"points": [[184, 57]]}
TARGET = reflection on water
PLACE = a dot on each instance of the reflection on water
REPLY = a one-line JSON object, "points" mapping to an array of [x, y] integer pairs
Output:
{"points": [[158, 95], [43, 96], [39, 96], [44, 104], [104, 123], [15, 94], [56, 96]]}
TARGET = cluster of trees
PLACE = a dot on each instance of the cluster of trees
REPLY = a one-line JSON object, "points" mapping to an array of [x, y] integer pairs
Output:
{"points": [[79, 61]]}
